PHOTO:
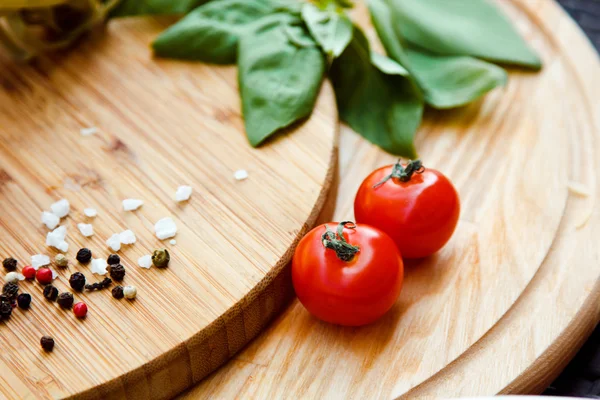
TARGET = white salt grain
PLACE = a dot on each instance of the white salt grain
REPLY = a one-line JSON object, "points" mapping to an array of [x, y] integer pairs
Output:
{"points": [[61, 208], [173, 242], [165, 228], [127, 237], [90, 212], [240, 175], [56, 239], [39, 260], [114, 242], [132, 204], [99, 266], [86, 230], [54, 274], [63, 246], [145, 261], [88, 131], [183, 193], [50, 220], [13, 277]]}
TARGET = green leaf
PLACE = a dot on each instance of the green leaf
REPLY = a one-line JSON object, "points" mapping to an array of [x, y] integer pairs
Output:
{"points": [[462, 27], [387, 65], [130, 8], [332, 30], [446, 81], [211, 32], [381, 104], [280, 70]]}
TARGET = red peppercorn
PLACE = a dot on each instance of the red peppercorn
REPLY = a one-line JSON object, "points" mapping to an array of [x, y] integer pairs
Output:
{"points": [[80, 310], [28, 272], [44, 276]]}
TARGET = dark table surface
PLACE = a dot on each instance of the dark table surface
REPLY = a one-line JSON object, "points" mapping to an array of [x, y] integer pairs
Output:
{"points": [[582, 376]]}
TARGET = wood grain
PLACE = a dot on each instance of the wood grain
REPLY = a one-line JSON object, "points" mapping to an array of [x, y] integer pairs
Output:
{"points": [[506, 304], [161, 124]]}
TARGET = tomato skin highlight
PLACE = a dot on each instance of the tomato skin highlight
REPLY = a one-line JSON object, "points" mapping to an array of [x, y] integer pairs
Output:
{"points": [[420, 215], [351, 293]]}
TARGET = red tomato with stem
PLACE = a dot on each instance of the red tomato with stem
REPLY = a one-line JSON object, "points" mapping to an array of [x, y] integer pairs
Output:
{"points": [[349, 277], [417, 207]]}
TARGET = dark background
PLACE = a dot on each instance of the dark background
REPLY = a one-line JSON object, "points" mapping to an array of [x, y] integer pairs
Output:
{"points": [[582, 376]]}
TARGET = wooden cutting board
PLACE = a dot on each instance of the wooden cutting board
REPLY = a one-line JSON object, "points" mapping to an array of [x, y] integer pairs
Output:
{"points": [[160, 124], [514, 294]]}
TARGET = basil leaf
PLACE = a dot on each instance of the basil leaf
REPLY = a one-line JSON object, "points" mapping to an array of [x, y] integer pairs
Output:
{"points": [[382, 105], [460, 27], [280, 69], [211, 32], [446, 81], [130, 8], [387, 65], [332, 30]]}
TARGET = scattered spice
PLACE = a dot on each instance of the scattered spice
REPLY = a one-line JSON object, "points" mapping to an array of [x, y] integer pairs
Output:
{"points": [[24, 301], [77, 281], [98, 266], [44, 276], [61, 208], [161, 258], [99, 285], [130, 292], [39, 260], [117, 292], [90, 212], [165, 228], [65, 300], [240, 175], [145, 261], [117, 272], [183, 193], [50, 293], [86, 230], [61, 260], [114, 242], [10, 290], [113, 259], [47, 343], [28, 272], [132, 204], [56, 239], [13, 277], [84, 255], [127, 237], [50, 220], [9, 264], [80, 309], [5, 309]]}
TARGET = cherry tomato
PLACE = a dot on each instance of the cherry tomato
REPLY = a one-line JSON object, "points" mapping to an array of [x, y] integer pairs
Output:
{"points": [[417, 207], [351, 277]]}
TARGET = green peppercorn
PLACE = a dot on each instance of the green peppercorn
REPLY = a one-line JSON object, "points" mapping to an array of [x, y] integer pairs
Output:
{"points": [[161, 258], [50, 292], [65, 300], [10, 264], [61, 260]]}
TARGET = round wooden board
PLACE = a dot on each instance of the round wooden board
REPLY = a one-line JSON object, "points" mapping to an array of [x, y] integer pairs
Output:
{"points": [[161, 124], [514, 294]]}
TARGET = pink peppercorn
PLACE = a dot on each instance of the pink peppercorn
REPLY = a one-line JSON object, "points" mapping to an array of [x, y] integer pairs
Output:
{"points": [[44, 276], [28, 272], [80, 309]]}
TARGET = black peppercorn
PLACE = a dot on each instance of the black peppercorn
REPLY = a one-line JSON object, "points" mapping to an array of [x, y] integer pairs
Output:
{"points": [[117, 272], [117, 292], [84, 255], [113, 259], [50, 292], [24, 300], [77, 281], [10, 290], [161, 258], [10, 264], [47, 343], [99, 285], [65, 300], [5, 309]]}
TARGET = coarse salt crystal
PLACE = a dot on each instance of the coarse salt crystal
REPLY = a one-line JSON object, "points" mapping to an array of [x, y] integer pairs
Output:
{"points": [[173, 242], [132, 204], [63, 246], [50, 220], [14, 277], [88, 131], [56, 239], [86, 230], [165, 228], [61, 208], [90, 212], [39, 260], [145, 261], [240, 175], [99, 266], [127, 237], [54, 274], [114, 242], [183, 193]]}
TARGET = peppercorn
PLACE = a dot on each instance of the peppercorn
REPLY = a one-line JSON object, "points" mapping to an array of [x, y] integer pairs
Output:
{"points": [[161, 258], [50, 292], [5, 309], [28, 272], [10, 290], [99, 285], [117, 292], [84, 255], [44, 276], [24, 300], [117, 272], [113, 259], [80, 310], [61, 260], [10, 264], [130, 292], [65, 300], [77, 281], [47, 343]]}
